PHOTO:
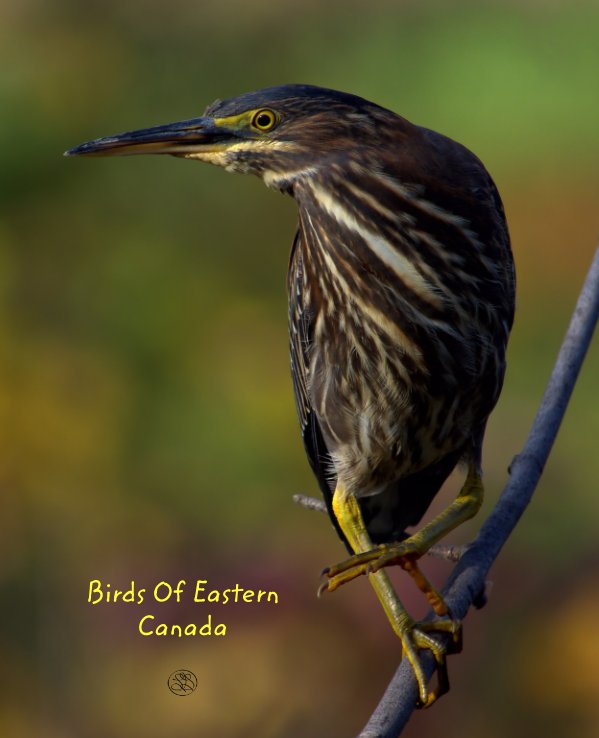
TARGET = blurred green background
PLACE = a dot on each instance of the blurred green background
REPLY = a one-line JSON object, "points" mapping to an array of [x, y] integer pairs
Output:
{"points": [[148, 427]]}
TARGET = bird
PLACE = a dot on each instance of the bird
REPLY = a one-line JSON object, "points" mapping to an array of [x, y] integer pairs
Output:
{"points": [[401, 290]]}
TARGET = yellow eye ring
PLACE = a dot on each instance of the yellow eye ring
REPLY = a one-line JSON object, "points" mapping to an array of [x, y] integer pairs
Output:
{"points": [[264, 120]]}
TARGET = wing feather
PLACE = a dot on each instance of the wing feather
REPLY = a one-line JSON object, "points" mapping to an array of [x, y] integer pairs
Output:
{"points": [[301, 333]]}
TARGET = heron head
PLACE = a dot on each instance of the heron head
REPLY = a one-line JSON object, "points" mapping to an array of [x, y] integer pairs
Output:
{"points": [[275, 133]]}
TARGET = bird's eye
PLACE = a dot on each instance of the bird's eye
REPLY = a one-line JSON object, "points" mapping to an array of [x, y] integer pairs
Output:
{"points": [[264, 120]]}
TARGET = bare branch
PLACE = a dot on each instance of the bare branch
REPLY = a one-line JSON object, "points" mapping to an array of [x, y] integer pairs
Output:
{"points": [[467, 581], [310, 503], [449, 553]]}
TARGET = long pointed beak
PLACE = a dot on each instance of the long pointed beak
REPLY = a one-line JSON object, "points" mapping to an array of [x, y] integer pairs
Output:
{"points": [[181, 138]]}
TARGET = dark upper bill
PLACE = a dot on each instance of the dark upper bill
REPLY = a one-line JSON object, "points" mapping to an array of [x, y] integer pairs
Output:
{"points": [[184, 137]]}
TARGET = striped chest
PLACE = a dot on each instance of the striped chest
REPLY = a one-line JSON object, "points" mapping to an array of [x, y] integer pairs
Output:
{"points": [[398, 361]]}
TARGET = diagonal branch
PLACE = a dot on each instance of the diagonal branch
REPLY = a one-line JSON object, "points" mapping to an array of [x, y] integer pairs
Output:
{"points": [[467, 581]]}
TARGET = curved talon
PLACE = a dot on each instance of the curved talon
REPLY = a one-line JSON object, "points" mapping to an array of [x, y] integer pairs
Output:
{"points": [[334, 581], [451, 627], [414, 636], [417, 638], [422, 639], [372, 561], [324, 587]]}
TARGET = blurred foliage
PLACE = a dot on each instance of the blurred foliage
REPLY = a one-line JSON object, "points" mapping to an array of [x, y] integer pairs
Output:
{"points": [[148, 428]]}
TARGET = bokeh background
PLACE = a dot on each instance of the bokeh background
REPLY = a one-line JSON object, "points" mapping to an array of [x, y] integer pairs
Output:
{"points": [[148, 430]]}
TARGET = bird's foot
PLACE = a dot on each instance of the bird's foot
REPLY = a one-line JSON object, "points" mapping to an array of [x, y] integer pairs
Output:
{"points": [[418, 636], [414, 636], [404, 554], [386, 554]]}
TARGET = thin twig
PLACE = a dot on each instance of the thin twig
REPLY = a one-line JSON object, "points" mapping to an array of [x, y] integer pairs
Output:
{"points": [[468, 578], [449, 553], [310, 503]]}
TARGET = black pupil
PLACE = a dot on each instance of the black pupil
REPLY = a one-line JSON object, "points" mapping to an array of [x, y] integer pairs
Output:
{"points": [[263, 120]]}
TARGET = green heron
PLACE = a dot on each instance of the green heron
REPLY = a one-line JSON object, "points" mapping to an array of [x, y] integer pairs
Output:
{"points": [[401, 298]]}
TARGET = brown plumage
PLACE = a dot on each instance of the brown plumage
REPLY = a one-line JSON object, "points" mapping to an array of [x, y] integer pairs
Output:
{"points": [[401, 299], [396, 374]]}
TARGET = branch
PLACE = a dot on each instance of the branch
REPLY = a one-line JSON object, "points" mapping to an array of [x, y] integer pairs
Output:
{"points": [[468, 578], [310, 503]]}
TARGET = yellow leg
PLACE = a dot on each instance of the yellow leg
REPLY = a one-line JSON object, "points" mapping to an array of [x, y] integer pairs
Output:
{"points": [[371, 561], [405, 553]]}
